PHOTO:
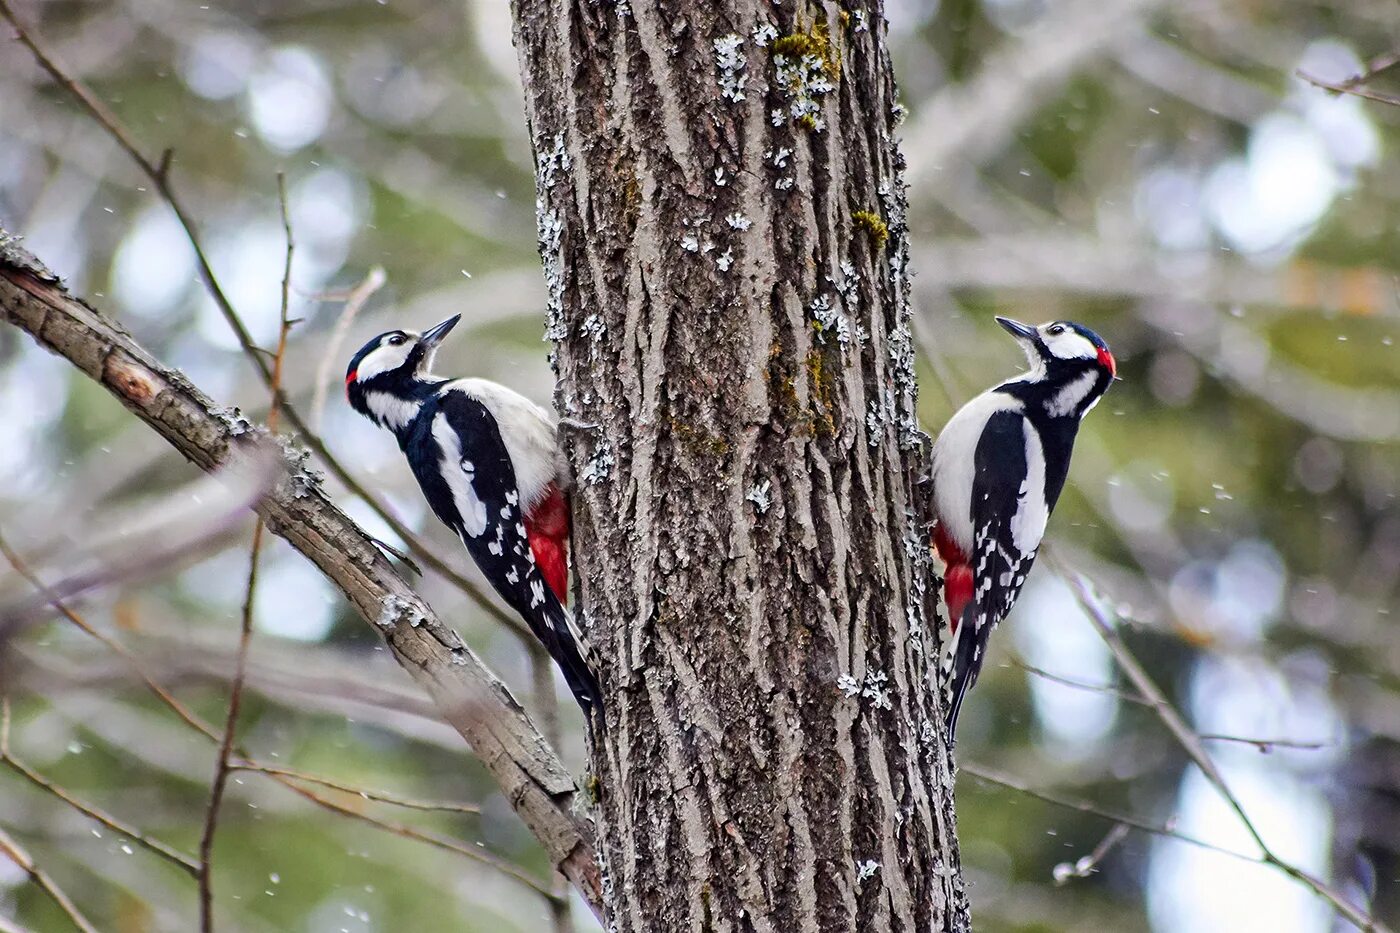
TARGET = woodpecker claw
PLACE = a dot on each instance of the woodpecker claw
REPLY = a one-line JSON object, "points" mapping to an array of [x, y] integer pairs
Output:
{"points": [[573, 424]]}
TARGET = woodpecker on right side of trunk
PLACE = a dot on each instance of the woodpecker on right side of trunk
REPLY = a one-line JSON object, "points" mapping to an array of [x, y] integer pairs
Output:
{"points": [[998, 468]]}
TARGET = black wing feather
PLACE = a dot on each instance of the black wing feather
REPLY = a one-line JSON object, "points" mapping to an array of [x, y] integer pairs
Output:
{"points": [[501, 549], [998, 569]]}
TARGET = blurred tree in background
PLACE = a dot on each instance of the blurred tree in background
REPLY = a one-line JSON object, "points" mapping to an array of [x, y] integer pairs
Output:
{"points": [[1155, 170]]}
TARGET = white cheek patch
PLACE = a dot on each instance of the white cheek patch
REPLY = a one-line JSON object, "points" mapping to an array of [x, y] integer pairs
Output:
{"points": [[385, 359], [390, 411], [459, 475], [1070, 345], [1067, 400]]}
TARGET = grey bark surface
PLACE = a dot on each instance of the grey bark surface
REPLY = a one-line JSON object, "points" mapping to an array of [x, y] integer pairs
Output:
{"points": [[467, 694], [721, 225]]}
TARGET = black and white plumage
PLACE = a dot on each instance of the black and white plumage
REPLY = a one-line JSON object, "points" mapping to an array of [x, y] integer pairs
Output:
{"points": [[488, 462], [998, 468]]}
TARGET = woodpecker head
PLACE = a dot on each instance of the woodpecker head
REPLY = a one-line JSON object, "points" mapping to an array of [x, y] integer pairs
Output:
{"points": [[386, 378], [1070, 360]]}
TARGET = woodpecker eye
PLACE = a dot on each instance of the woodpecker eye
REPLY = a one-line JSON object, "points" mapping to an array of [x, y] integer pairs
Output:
{"points": [[1054, 330], [396, 340]]}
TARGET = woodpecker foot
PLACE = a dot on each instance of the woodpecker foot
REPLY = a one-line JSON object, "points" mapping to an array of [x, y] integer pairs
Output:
{"points": [[573, 424]]}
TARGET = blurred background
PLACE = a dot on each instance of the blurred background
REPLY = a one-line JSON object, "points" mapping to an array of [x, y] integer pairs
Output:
{"points": [[1155, 170]]}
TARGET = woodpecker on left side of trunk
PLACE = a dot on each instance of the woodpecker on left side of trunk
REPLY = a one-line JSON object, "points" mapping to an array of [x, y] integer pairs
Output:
{"points": [[489, 464], [998, 468]]}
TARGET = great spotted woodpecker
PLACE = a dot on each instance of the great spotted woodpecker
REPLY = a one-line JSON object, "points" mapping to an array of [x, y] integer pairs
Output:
{"points": [[488, 462], [998, 468]]}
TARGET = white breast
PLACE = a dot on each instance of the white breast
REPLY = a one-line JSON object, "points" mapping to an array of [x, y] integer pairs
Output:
{"points": [[954, 463], [528, 432]]}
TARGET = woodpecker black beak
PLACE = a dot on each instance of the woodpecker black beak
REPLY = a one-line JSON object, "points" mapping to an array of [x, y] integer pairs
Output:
{"points": [[1017, 329], [434, 335]]}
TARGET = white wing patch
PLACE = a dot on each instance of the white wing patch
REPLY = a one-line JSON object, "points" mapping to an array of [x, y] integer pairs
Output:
{"points": [[1028, 524], [459, 474]]}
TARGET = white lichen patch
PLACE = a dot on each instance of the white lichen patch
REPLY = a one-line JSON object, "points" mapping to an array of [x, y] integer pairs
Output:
{"points": [[721, 180], [550, 164], [760, 496], [806, 80], [738, 221], [395, 609], [302, 478], [828, 319], [690, 243], [876, 690], [730, 62], [866, 870], [860, 22], [848, 685], [599, 465], [763, 34], [725, 260], [232, 419]]}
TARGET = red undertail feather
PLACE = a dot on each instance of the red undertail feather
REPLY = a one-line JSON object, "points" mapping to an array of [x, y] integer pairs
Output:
{"points": [[957, 576], [547, 527]]}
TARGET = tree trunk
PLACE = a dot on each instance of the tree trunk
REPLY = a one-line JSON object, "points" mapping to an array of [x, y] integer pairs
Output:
{"points": [[721, 219]]}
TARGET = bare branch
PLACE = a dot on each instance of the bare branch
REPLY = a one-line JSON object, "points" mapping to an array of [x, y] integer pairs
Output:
{"points": [[245, 634], [407, 803], [1356, 85], [160, 179], [1088, 864], [154, 846], [470, 696], [16, 854], [1191, 743]]}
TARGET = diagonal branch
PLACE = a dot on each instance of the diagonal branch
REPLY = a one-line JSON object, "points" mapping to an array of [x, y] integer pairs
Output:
{"points": [[467, 693], [11, 850], [1192, 744]]}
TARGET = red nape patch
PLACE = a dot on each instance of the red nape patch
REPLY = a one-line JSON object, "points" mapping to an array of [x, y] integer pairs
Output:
{"points": [[1107, 361], [547, 527], [349, 378], [957, 593]]}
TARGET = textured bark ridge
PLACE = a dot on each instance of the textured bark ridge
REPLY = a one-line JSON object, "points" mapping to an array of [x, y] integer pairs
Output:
{"points": [[721, 225]]}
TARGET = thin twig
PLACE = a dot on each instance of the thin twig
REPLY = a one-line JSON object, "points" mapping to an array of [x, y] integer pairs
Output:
{"points": [[354, 301], [245, 635], [43, 882], [159, 177], [111, 643], [1192, 744], [1347, 87], [407, 803], [154, 846], [1001, 778], [432, 839], [1127, 696], [1088, 864], [1356, 84]]}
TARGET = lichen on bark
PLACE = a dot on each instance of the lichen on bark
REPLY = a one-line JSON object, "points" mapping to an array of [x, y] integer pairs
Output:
{"points": [[749, 537]]}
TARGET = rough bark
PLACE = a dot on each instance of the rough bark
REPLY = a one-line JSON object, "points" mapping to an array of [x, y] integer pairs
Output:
{"points": [[721, 224], [466, 692]]}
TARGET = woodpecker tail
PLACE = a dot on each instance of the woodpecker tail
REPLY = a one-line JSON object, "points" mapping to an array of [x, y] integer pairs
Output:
{"points": [[961, 665], [565, 643]]}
